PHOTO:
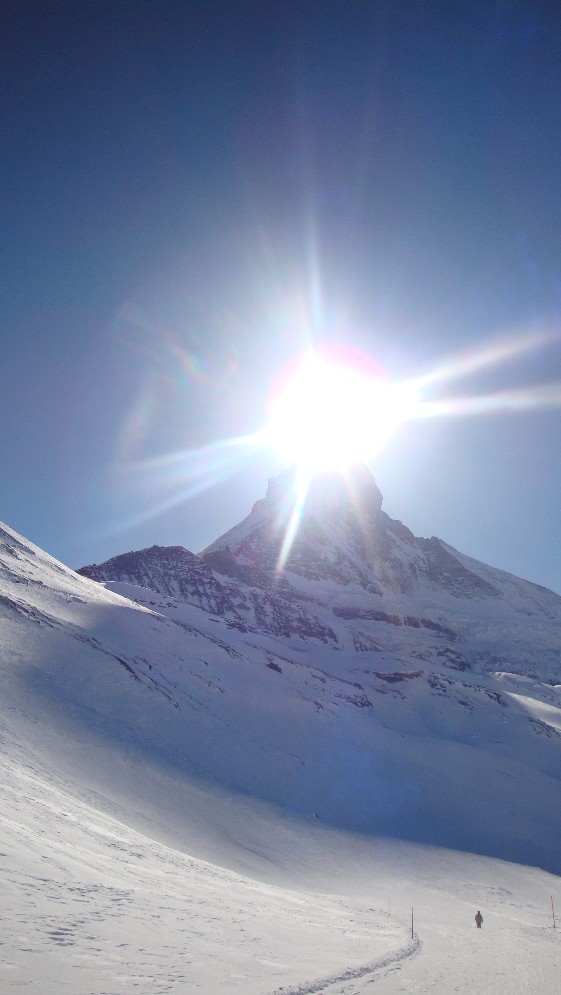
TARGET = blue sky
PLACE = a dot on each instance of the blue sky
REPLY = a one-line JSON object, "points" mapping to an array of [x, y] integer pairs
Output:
{"points": [[192, 192]]}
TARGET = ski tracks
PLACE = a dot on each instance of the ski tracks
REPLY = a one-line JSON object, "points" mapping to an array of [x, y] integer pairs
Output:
{"points": [[321, 986]]}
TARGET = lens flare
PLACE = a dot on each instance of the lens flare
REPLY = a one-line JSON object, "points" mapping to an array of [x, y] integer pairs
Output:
{"points": [[331, 410]]}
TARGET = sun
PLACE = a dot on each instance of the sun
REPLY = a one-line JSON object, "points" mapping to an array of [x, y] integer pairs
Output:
{"points": [[333, 409]]}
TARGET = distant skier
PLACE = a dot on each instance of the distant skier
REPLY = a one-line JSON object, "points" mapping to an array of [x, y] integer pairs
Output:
{"points": [[478, 919]]}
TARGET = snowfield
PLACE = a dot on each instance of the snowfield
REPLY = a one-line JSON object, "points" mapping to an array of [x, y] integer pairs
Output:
{"points": [[190, 806], [93, 905]]}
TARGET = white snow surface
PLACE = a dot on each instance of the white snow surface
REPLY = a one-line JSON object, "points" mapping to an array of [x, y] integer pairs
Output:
{"points": [[188, 808]]}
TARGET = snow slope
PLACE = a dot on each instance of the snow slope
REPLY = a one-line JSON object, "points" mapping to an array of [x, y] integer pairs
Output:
{"points": [[193, 806], [93, 905], [382, 683]]}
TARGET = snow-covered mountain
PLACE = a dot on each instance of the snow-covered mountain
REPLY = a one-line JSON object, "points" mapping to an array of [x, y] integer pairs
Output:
{"points": [[361, 583], [384, 709], [404, 675]]}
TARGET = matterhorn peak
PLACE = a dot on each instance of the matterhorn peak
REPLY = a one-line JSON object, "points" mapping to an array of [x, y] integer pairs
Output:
{"points": [[327, 492], [328, 526], [355, 490]]}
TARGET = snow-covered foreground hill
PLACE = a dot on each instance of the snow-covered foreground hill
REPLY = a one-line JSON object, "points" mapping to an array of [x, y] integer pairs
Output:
{"points": [[93, 904], [187, 806]]}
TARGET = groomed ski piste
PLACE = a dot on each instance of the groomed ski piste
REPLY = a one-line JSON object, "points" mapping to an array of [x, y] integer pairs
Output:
{"points": [[125, 870]]}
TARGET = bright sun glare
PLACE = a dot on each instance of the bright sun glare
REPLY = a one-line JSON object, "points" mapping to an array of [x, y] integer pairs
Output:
{"points": [[334, 407], [331, 411]]}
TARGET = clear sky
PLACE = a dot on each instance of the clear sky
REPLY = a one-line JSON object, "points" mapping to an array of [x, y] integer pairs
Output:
{"points": [[192, 192]]}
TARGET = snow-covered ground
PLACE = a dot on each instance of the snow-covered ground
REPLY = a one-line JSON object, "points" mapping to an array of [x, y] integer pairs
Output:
{"points": [[145, 841], [91, 904]]}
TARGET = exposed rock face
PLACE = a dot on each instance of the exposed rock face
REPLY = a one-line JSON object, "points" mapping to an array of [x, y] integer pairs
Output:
{"points": [[170, 570], [177, 573]]}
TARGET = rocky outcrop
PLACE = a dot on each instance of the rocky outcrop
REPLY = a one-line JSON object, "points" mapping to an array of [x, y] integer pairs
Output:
{"points": [[175, 572]]}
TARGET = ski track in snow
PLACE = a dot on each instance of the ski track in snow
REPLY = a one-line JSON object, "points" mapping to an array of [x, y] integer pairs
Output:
{"points": [[319, 987]]}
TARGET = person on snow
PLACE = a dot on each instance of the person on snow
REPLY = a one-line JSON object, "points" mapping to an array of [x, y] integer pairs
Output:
{"points": [[478, 919]]}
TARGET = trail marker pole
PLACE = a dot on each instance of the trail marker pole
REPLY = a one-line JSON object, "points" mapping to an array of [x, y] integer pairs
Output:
{"points": [[553, 911], [389, 906], [411, 923]]}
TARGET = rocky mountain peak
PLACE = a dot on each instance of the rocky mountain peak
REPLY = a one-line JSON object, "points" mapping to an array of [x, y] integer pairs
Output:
{"points": [[336, 522], [327, 494]]}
